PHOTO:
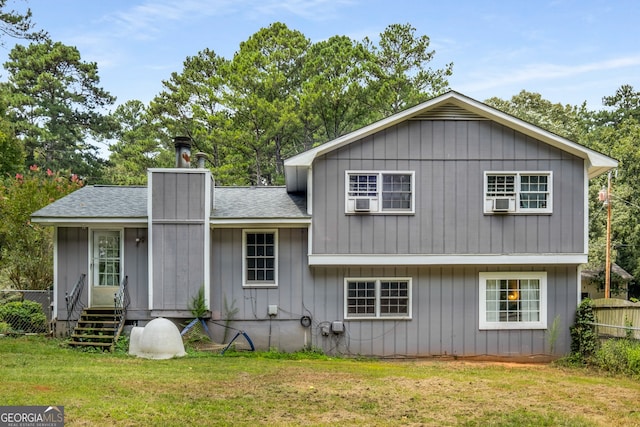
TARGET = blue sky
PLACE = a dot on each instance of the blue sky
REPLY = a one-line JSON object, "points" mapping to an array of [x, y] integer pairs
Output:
{"points": [[569, 51]]}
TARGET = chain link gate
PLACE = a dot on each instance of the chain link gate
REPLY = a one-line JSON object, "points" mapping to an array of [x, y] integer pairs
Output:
{"points": [[25, 312]]}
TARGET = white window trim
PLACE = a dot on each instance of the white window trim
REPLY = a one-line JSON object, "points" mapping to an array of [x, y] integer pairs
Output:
{"points": [[91, 231], [348, 200], [256, 284], [488, 201], [541, 276], [377, 315]]}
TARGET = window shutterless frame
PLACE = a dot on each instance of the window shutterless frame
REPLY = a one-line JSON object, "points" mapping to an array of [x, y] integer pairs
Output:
{"points": [[379, 192], [378, 298], [518, 192], [260, 258], [512, 300]]}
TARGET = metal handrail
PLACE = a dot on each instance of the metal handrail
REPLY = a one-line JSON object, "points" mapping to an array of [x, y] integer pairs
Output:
{"points": [[74, 302], [121, 302]]}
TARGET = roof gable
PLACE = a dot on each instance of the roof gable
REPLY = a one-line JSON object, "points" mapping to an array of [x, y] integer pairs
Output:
{"points": [[449, 106]]}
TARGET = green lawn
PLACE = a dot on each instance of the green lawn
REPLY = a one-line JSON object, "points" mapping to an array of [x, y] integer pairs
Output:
{"points": [[204, 389]]}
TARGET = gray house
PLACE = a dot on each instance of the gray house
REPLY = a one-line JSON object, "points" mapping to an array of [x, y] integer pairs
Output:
{"points": [[450, 228]]}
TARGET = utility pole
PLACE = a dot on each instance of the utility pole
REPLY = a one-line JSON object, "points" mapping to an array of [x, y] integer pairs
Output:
{"points": [[607, 271]]}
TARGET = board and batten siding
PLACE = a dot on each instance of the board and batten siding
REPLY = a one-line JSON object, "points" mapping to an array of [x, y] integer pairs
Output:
{"points": [[449, 159], [445, 314], [178, 222], [72, 261], [137, 271], [246, 308], [72, 252]]}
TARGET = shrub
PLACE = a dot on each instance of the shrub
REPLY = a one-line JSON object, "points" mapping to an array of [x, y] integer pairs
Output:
{"points": [[5, 328], [611, 356], [619, 356], [26, 316], [633, 357], [122, 345], [584, 340], [198, 305]]}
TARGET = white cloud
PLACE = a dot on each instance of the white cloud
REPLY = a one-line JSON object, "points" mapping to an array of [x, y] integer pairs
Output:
{"points": [[537, 72], [315, 10], [150, 19]]}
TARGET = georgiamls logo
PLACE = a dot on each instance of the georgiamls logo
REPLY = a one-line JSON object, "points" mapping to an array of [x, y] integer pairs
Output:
{"points": [[33, 416]]}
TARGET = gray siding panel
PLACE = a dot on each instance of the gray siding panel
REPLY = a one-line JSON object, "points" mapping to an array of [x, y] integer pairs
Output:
{"points": [[73, 252], [449, 159], [178, 195], [178, 238], [246, 307], [178, 265], [447, 321], [136, 267], [444, 306], [445, 315]]}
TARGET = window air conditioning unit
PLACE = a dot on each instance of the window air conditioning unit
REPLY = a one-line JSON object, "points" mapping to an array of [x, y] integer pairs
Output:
{"points": [[503, 205], [362, 204]]}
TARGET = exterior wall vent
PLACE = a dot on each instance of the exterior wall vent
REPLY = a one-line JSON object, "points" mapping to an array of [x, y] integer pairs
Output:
{"points": [[448, 112]]}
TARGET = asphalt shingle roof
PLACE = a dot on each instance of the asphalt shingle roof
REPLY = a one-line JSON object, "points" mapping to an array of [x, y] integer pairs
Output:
{"points": [[99, 202], [131, 202], [257, 202]]}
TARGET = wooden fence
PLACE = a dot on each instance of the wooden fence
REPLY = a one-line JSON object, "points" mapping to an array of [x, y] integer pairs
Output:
{"points": [[617, 318]]}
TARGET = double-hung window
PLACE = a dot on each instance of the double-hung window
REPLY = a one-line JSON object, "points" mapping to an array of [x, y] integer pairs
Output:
{"points": [[379, 192], [377, 298], [260, 257], [518, 192], [513, 300]]}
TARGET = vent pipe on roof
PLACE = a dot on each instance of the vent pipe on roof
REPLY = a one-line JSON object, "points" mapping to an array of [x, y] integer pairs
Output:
{"points": [[183, 151], [200, 159]]}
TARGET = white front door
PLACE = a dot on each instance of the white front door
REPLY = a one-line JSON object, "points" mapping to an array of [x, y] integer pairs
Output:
{"points": [[107, 265]]}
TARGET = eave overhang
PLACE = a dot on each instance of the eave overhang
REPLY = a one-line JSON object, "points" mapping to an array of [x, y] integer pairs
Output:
{"points": [[87, 221], [260, 222]]}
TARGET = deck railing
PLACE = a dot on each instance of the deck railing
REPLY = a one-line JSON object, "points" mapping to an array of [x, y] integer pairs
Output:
{"points": [[74, 303]]}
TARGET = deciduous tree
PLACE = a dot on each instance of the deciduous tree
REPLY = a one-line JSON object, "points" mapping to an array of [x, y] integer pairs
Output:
{"points": [[26, 249], [567, 120], [620, 139]]}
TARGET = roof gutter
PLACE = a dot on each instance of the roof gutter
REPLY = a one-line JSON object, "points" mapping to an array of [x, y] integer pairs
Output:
{"points": [[79, 222]]}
